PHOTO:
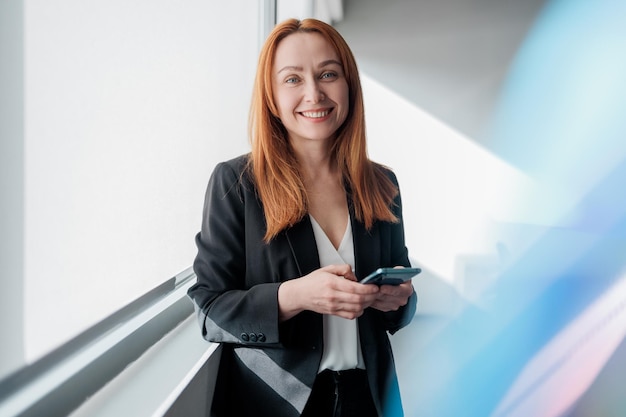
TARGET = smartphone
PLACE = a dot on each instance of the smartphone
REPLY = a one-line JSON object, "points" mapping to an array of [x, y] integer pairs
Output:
{"points": [[390, 276]]}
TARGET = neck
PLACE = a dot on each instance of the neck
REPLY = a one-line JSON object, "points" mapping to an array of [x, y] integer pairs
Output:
{"points": [[315, 160]]}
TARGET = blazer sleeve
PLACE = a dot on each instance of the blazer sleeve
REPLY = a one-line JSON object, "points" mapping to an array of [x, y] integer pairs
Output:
{"points": [[395, 320], [229, 307]]}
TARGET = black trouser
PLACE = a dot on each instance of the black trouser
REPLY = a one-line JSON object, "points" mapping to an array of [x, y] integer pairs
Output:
{"points": [[341, 394]]}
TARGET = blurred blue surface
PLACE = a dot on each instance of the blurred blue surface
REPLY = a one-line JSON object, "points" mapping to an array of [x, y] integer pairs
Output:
{"points": [[562, 120]]}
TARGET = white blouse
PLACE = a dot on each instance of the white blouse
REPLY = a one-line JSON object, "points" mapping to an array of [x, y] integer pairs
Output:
{"points": [[342, 347]]}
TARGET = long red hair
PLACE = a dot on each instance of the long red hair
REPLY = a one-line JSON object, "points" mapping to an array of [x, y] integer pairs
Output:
{"points": [[273, 164]]}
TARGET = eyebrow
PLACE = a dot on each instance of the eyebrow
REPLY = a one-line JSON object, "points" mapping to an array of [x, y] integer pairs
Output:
{"points": [[321, 65]]}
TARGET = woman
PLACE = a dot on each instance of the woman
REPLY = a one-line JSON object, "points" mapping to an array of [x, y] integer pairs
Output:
{"points": [[287, 230]]}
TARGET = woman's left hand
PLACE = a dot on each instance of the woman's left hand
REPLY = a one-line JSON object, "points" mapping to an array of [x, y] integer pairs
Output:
{"points": [[392, 297]]}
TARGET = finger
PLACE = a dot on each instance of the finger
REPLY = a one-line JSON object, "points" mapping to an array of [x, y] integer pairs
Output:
{"points": [[357, 288], [341, 270], [346, 309], [390, 290], [404, 289], [349, 315], [352, 301], [388, 304], [381, 305], [350, 275]]}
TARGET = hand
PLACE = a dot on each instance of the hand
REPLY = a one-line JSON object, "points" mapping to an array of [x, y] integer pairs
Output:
{"points": [[392, 297], [329, 290]]}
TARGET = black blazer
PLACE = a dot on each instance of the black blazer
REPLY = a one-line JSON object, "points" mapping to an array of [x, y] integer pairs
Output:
{"points": [[267, 367]]}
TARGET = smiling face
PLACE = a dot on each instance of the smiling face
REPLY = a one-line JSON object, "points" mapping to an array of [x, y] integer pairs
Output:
{"points": [[309, 88]]}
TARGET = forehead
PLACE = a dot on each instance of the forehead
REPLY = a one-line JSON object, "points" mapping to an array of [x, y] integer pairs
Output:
{"points": [[302, 49]]}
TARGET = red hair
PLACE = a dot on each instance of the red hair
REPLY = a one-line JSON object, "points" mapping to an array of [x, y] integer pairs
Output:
{"points": [[273, 164]]}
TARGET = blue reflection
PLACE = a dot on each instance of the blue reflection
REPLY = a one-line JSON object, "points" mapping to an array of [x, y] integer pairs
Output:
{"points": [[561, 110], [562, 120]]}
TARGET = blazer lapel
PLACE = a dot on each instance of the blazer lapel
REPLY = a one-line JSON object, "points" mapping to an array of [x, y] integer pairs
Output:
{"points": [[301, 241], [366, 247], [366, 243]]}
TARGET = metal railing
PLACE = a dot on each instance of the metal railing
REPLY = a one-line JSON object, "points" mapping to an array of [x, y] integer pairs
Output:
{"points": [[62, 380]]}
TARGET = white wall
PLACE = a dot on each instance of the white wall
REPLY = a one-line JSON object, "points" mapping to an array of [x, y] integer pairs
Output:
{"points": [[449, 57], [128, 106]]}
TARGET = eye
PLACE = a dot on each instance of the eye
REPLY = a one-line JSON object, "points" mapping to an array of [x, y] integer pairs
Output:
{"points": [[328, 75], [292, 80]]}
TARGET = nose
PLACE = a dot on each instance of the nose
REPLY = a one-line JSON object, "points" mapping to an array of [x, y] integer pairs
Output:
{"points": [[314, 93]]}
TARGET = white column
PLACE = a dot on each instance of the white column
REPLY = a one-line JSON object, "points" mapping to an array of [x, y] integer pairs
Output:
{"points": [[11, 185]]}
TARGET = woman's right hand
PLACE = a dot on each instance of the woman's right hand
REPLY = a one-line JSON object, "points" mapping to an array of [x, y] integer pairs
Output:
{"points": [[329, 290]]}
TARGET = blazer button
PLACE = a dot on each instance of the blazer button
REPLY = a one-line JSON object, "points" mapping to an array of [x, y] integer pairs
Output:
{"points": [[252, 337], [244, 337], [260, 337]]}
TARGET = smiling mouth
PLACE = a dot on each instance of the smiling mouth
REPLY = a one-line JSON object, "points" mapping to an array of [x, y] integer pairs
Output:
{"points": [[316, 114]]}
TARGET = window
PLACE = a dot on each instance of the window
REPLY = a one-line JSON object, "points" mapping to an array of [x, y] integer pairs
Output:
{"points": [[126, 109]]}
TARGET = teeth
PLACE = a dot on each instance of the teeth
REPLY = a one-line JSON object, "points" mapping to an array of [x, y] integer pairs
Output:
{"points": [[315, 114]]}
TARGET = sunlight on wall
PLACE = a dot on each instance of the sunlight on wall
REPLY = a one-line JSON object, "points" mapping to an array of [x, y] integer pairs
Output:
{"points": [[454, 191]]}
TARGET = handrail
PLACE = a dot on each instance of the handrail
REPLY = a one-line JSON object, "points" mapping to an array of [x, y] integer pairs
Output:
{"points": [[60, 381]]}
